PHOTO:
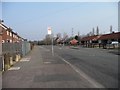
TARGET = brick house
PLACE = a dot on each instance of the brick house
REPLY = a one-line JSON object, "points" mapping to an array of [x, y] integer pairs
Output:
{"points": [[0, 39], [15, 37], [12, 47], [1, 61], [8, 35], [0, 34], [100, 40], [88, 41]]}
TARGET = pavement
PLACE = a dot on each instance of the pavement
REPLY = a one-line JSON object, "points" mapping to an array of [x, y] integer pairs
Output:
{"points": [[0, 80], [67, 68]]}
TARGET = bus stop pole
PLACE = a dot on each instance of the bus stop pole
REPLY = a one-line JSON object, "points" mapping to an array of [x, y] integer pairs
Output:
{"points": [[52, 46]]}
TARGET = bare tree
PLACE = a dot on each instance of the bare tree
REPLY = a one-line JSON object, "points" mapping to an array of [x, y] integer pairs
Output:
{"points": [[48, 39], [58, 35], [65, 36]]}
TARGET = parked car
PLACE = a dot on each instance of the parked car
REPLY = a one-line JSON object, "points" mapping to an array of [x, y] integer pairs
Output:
{"points": [[115, 42]]}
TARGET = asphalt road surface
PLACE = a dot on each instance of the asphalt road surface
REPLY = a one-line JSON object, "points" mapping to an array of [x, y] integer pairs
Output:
{"points": [[67, 67]]}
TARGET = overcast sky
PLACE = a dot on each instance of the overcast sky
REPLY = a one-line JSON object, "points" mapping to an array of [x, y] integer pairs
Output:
{"points": [[30, 19]]}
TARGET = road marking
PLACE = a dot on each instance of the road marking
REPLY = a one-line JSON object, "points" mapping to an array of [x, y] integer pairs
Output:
{"points": [[14, 68], [25, 60], [81, 73], [46, 62]]}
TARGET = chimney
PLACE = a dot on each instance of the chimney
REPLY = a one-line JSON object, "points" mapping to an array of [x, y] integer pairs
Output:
{"points": [[1, 21]]}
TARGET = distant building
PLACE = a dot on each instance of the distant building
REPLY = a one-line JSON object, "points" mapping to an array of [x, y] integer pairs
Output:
{"points": [[104, 39], [74, 42]]}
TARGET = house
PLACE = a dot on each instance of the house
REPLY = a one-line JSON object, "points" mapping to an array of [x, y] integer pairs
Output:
{"points": [[74, 42], [8, 35], [89, 40], [108, 38], [12, 47], [1, 33], [1, 61], [0, 28], [100, 40]]}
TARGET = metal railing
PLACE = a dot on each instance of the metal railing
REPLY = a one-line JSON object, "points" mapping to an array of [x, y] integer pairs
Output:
{"points": [[12, 52]]}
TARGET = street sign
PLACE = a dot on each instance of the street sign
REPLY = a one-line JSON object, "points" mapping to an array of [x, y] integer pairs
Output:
{"points": [[50, 33], [49, 30]]}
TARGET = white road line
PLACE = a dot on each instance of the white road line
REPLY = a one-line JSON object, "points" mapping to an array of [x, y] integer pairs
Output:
{"points": [[46, 62], [14, 68], [25, 60], [81, 73]]}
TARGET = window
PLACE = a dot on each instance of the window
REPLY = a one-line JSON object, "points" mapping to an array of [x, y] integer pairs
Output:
{"points": [[10, 34], [3, 41], [10, 41], [7, 32]]}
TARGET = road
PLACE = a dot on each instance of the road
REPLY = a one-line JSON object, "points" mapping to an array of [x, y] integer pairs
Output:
{"points": [[67, 68]]}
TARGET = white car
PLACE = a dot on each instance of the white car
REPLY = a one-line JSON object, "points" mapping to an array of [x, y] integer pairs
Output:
{"points": [[115, 43]]}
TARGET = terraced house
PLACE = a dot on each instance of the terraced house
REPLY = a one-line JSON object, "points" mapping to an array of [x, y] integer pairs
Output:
{"points": [[12, 47], [0, 45], [8, 35], [104, 40]]}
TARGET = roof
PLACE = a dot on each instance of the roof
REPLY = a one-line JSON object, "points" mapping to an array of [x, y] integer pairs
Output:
{"points": [[89, 38], [3, 26], [74, 41], [110, 36], [102, 37]]}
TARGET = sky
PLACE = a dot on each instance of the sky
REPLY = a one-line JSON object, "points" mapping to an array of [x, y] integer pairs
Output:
{"points": [[31, 19]]}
